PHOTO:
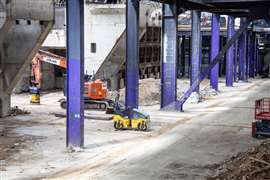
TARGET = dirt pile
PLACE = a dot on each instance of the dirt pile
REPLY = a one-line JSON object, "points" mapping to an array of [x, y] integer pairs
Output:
{"points": [[253, 164], [149, 92], [14, 111]]}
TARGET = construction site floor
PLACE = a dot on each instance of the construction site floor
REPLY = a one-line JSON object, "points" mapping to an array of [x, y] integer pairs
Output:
{"points": [[179, 145]]}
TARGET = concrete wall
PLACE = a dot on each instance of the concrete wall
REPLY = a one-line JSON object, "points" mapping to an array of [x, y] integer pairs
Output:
{"points": [[103, 26], [24, 27]]}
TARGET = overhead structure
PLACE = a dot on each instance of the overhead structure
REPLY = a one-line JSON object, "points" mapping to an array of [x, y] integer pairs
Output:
{"points": [[253, 9], [24, 25]]}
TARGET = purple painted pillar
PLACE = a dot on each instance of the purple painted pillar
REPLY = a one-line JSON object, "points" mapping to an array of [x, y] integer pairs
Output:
{"points": [[215, 41], [169, 55], [242, 54], [235, 61], [230, 53], [195, 48], [75, 73], [132, 53], [252, 55], [255, 56]]}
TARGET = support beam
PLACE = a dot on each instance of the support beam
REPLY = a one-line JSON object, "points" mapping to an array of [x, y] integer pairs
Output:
{"points": [[235, 66], [229, 54], [75, 73], [206, 71], [169, 55], [252, 55], [242, 54], [195, 48], [215, 46], [132, 53], [183, 56]]}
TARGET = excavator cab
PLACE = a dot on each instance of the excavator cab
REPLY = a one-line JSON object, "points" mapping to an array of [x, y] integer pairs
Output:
{"points": [[96, 90]]}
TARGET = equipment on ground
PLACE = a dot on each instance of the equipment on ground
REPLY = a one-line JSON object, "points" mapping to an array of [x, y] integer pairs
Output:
{"points": [[34, 95], [130, 119], [95, 91], [261, 123]]}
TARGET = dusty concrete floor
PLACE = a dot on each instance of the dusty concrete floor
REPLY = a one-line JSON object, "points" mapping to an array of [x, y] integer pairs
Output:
{"points": [[178, 146]]}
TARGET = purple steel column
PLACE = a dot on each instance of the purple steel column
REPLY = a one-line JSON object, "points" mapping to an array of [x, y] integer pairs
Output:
{"points": [[215, 31], [242, 55], [252, 55], [229, 54], [132, 53], [195, 48], [75, 73], [255, 56], [235, 61], [169, 55]]}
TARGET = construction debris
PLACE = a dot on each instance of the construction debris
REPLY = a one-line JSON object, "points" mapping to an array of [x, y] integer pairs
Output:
{"points": [[150, 92], [14, 111], [253, 164]]}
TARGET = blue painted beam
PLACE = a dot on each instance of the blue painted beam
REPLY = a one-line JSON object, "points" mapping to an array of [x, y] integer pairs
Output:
{"points": [[195, 48], [169, 56], [235, 69], [242, 55], [252, 55], [132, 54], [229, 54], [215, 46], [75, 73]]}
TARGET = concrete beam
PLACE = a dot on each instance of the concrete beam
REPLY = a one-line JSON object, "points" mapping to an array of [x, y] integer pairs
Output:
{"points": [[41, 10], [19, 42]]}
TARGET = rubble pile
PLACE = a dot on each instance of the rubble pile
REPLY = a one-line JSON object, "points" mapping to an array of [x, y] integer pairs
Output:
{"points": [[207, 92], [14, 111], [253, 164], [149, 92]]}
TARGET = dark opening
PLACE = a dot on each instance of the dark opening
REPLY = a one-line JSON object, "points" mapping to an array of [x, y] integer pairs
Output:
{"points": [[93, 47]]}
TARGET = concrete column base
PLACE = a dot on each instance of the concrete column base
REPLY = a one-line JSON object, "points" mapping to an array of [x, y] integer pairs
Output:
{"points": [[4, 106]]}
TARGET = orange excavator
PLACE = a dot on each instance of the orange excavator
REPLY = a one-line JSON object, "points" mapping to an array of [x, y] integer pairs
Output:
{"points": [[95, 91]]}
